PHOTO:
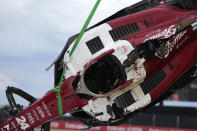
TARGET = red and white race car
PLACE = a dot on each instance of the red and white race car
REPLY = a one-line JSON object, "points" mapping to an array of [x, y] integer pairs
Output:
{"points": [[122, 65]]}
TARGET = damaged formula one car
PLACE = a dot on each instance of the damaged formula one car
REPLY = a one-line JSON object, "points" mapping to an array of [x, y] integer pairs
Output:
{"points": [[122, 65]]}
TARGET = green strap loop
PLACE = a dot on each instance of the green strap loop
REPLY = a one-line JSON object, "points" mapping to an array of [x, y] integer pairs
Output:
{"points": [[60, 107], [57, 90]]}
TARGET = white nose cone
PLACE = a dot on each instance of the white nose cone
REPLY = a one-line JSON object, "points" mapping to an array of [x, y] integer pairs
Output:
{"points": [[5, 82]]}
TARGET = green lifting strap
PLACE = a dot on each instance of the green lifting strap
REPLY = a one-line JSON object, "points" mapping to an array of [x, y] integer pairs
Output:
{"points": [[57, 90]]}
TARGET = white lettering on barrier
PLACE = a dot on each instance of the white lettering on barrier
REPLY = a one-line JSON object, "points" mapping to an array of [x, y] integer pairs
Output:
{"points": [[134, 129], [157, 129], [96, 128], [73, 126], [115, 128], [54, 124]]}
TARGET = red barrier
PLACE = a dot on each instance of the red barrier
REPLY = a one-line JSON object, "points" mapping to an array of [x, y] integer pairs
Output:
{"points": [[78, 125]]}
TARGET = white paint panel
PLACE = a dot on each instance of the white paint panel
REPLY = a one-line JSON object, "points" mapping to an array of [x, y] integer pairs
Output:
{"points": [[140, 103], [98, 106], [137, 93], [82, 55]]}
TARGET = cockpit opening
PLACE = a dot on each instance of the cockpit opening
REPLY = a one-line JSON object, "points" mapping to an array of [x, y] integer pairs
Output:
{"points": [[104, 75]]}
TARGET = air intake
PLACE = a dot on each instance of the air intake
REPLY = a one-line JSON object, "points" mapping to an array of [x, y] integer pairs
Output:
{"points": [[152, 82], [123, 31], [95, 45]]}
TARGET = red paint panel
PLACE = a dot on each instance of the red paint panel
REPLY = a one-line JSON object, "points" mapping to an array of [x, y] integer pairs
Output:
{"points": [[68, 125], [45, 109], [98, 57], [158, 22], [183, 59]]}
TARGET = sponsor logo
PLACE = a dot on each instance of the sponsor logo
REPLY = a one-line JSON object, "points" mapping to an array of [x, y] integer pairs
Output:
{"points": [[35, 114], [55, 124], [96, 128], [170, 44], [158, 129], [134, 129], [115, 128], [30, 118], [22, 122], [164, 34], [73, 126], [46, 109], [41, 112], [124, 49]]}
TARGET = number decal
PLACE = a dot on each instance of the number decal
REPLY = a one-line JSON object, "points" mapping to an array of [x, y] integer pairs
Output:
{"points": [[22, 122], [6, 127]]}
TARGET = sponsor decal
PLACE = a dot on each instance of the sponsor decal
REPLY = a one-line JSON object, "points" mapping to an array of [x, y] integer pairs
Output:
{"points": [[96, 128], [41, 112], [55, 124], [22, 122], [35, 114], [182, 42], [30, 118], [6, 127], [170, 44], [73, 126], [65, 125], [164, 34], [151, 129], [14, 125], [134, 129], [115, 128], [124, 49], [46, 109]]}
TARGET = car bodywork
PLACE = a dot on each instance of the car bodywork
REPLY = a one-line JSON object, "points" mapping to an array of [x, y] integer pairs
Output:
{"points": [[122, 65]]}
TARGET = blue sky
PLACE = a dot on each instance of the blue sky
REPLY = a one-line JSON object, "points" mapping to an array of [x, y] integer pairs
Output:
{"points": [[33, 33]]}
